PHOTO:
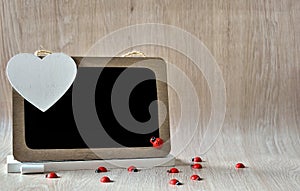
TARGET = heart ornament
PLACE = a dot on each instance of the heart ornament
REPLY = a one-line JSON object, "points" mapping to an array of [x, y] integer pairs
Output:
{"points": [[42, 82]]}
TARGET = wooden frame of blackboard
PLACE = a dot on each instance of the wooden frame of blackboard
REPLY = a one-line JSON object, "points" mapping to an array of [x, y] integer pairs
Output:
{"points": [[22, 153]]}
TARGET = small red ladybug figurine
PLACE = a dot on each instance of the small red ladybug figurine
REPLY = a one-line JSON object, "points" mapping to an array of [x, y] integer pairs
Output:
{"points": [[195, 177], [156, 142], [173, 170], [132, 169], [52, 175], [196, 166], [196, 159], [105, 179], [174, 182], [101, 169], [239, 165]]}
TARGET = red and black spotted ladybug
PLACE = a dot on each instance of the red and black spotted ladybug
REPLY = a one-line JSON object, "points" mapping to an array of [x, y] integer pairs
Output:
{"points": [[173, 170], [195, 177], [239, 165], [196, 166], [156, 142], [100, 169], [105, 179], [174, 182], [52, 175], [196, 159], [132, 169]]}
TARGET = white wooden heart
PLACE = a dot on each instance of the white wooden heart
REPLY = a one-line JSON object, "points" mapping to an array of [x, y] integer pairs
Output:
{"points": [[42, 82]]}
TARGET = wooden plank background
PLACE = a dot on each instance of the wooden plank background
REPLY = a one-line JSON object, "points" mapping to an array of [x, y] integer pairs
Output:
{"points": [[256, 45]]}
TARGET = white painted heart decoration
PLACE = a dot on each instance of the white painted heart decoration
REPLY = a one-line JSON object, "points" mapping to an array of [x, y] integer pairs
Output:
{"points": [[42, 82]]}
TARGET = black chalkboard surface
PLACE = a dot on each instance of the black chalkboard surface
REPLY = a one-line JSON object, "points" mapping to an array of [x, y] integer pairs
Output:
{"points": [[57, 129]]}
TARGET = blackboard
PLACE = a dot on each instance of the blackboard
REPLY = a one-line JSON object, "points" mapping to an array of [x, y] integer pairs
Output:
{"points": [[91, 120], [58, 127]]}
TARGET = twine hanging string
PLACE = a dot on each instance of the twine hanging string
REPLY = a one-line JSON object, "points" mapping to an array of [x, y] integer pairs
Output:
{"points": [[42, 52], [134, 53]]}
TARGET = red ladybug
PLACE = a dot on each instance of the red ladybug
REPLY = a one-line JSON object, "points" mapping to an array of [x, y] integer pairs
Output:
{"points": [[101, 169], [196, 166], [52, 175], [105, 179], [173, 170], [195, 177], [196, 159], [132, 169], [156, 142], [239, 165], [174, 182]]}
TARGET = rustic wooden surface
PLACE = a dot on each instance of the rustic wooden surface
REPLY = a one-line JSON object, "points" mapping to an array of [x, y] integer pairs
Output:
{"points": [[255, 43]]}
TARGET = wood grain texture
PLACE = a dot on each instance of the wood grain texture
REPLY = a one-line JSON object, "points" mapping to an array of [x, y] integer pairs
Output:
{"points": [[256, 45]]}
